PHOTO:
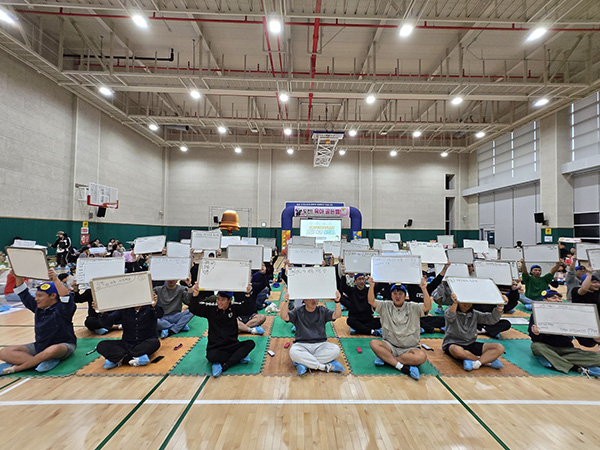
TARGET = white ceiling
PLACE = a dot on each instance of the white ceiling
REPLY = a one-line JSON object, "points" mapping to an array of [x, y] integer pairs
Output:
{"points": [[476, 49]]}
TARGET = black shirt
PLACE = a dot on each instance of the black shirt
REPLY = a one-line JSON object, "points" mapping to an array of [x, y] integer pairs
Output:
{"points": [[137, 325], [356, 300], [592, 297]]}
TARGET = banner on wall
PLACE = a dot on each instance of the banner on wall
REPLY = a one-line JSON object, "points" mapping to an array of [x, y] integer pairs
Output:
{"points": [[309, 209]]}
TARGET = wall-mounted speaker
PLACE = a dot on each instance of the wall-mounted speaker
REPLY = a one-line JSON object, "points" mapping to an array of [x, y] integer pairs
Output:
{"points": [[538, 217], [101, 212]]}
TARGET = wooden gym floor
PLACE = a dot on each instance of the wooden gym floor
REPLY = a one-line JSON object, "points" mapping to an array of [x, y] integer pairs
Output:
{"points": [[173, 404]]}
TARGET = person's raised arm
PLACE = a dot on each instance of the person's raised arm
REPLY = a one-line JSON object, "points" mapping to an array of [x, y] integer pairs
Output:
{"points": [[556, 266], [371, 293], [426, 296], [573, 263], [62, 290], [337, 313], [585, 286], [283, 308], [523, 267], [454, 305]]}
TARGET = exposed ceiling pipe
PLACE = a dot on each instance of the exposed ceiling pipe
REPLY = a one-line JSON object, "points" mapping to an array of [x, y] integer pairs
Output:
{"points": [[313, 64], [425, 26], [170, 58]]}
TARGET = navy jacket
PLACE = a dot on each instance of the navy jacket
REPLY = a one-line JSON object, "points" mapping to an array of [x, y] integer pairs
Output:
{"points": [[137, 325]]}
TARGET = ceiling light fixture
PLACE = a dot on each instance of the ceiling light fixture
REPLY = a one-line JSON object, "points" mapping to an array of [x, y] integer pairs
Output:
{"points": [[417, 133], [290, 151], [221, 129], [140, 20], [457, 101], [352, 132], [153, 127], [5, 17], [183, 148], [393, 153], [406, 30], [283, 97], [105, 91], [444, 154], [541, 102], [342, 152], [275, 26], [480, 134], [238, 149], [195, 94], [370, 99], [287, 131], [536, 34]]}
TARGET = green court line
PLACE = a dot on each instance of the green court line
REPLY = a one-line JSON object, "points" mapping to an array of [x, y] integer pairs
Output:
{"points": [[183, 414], [131, 413], [8, 384], [475, 416]]}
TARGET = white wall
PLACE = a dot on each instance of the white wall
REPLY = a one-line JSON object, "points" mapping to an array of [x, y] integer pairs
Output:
{"points": [[50, 140]]}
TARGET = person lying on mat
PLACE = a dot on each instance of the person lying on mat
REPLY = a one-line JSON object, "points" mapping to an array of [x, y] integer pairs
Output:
{"points": [[460, 340], [400, 326], [140, 336], [557, 352], [55, 339], [223, 349], [310, 349]]}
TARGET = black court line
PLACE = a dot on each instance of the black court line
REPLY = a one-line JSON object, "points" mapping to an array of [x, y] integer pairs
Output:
{"points": [[183, 414], [8, 384], [475, 416], [131, 413]]}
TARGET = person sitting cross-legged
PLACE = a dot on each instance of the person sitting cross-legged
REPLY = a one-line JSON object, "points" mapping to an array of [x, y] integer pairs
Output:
{"points": [[53, 307], [460, 340], [171, 298], [400, 326], [310, 349]]}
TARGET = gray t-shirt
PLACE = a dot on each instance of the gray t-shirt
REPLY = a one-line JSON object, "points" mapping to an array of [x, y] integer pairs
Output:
{"points": [[401, 327], [310, 326], [171, 300]]}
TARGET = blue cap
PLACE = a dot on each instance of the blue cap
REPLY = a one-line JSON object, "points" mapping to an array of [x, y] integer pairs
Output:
{"points": [[356, 275], [551, 293], [579, 267], [398, 287], [594, 277], [535, 266], [48, 288], [227, 294]]}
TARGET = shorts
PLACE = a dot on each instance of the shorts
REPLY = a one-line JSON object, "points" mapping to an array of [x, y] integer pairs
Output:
{"points": [[397, 351], [245, 319], [70, 349], [476, 348]]}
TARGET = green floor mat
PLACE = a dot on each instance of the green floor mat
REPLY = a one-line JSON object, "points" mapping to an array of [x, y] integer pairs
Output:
{"points": [[195, 362], [521, 307], [198, 325], [362, 363], [70, 365], [331, 306], [518, 352], [284, 329], [432, 335], [522, 328], [278, 288]]}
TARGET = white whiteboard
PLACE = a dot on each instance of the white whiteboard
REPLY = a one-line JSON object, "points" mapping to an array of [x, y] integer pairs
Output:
{"points": [[492, 254], [206, 240], [248, 241], [226, 241], [396, 269], [97, 250], [168, 268], [350, 246], [593, 257], [546, 266], [332, 247], [311, 283], [217, 274], [186, 241], [362, 243], [460, 255], [298, 254], [358, 261], [267, 254], [446, 240], [581, 249], [28, 262], [567, 319], [122, 291], [430, 252], [455, 270], [514, 269], [267, 242], [390, 247], [149, 244], [178, 250], [499, 272], [253, 253], [476, 245], [511, 254], [393, 237], [475, 290], [23, 243], [541, 253], [378, 242], [90, 268], [304, 240]]}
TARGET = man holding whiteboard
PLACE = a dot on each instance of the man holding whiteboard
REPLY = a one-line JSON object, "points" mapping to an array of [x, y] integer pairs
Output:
{"points": [[400, 326], [55, 339], [557, 351], [535, 283]]}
